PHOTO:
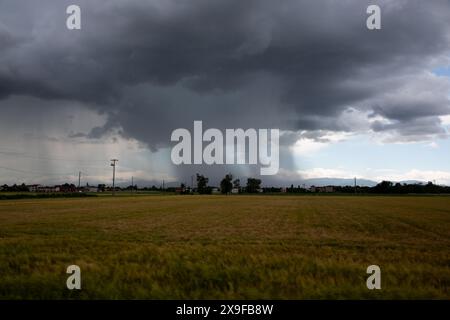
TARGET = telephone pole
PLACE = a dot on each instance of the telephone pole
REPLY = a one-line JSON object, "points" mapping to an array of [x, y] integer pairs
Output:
{"points": [[132, 184], [113, 164], [79, 179]]}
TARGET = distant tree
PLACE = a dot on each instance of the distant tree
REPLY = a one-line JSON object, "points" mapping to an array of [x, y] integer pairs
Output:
{"points": [[253, 185], [383, 187], [182, 189], [202, 184], [226, 185], [237, 184]]}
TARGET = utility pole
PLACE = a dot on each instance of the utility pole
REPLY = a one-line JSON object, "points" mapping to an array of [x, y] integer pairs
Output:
{"points": [[132, 184], [113, 164], [163, 186], [79, 179], [355, 185]]}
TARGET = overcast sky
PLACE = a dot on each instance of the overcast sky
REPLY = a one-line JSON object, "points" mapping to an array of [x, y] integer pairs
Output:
{"points": [[349, 101]]}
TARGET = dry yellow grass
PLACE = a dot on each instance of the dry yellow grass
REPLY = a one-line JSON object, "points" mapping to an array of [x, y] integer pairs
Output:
{"points": [[226, 247]]}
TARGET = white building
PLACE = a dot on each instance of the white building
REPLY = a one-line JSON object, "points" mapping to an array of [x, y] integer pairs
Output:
{"points": [[215, 191]]}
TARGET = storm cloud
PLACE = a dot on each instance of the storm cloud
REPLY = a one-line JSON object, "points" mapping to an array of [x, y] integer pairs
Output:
{"points": [[153, 66]]}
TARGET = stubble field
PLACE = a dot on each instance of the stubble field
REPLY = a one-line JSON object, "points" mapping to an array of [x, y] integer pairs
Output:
{"points": [[226, 247]]}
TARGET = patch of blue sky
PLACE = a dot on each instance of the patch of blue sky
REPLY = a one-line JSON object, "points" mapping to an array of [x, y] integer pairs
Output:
{"points": [[442, 71], [360, 153]]}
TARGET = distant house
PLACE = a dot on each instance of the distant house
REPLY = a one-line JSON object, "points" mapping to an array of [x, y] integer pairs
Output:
{"points": [[33, 187], [326, 189], [48, 189], [69, 188], [235, 190], [180, 190], [86, 188], [215, 190]]}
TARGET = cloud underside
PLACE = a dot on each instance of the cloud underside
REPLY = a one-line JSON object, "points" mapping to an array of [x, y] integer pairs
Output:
{"points": [[306, 67]]}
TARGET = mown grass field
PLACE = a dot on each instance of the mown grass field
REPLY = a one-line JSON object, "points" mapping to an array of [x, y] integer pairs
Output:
{"points": [[214, 247]]}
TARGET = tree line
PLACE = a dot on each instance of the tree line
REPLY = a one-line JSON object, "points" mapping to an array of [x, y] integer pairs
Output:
{"points": [[253, 185], [227, 184]]}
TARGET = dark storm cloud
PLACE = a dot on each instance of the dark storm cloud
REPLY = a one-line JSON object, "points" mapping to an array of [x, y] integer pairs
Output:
{"points": [[413, 130], [153, 66], [6, 38]]}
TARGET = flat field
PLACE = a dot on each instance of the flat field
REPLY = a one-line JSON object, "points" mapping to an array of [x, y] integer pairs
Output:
{"points": [[226, 247]]}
